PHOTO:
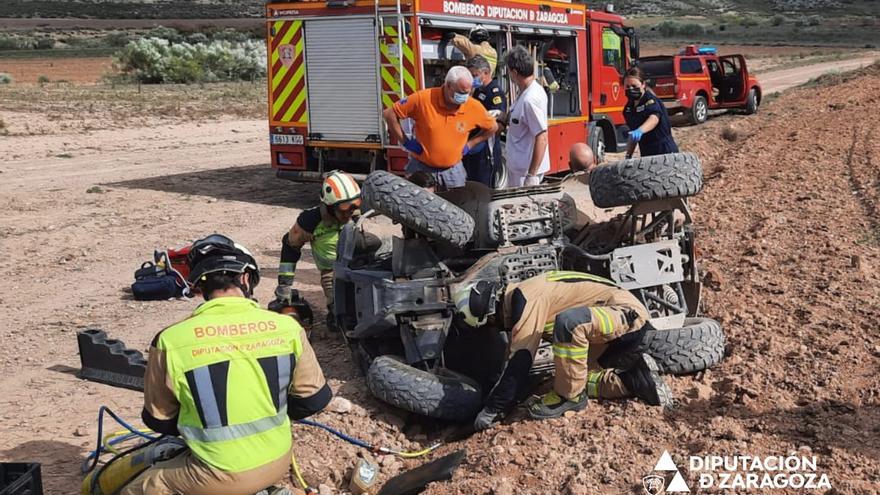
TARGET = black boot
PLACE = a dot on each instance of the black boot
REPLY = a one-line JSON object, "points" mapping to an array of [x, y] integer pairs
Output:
{"points": [[643, 380], [502, 397], [331, 320]]}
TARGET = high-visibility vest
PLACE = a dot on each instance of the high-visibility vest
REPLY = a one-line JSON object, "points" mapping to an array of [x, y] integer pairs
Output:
{"points": [[230, 365]]}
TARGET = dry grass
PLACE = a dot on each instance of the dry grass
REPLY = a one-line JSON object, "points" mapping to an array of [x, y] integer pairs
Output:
{"points": [[730, 133], [90, 107]]}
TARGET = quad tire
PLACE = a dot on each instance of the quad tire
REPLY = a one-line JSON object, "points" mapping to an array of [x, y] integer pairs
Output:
{"points": [[695, 347], [647, 178], [417, 209], [446, 395]]}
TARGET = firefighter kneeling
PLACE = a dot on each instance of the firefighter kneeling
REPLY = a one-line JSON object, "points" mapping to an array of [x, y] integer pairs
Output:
{"points": [[229, 397], [320, 227], [582, 314]]}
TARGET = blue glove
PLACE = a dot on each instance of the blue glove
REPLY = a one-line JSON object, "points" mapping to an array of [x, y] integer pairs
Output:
{"points": [[635, 135], [413, 146], [477, 149], [465, 150]]}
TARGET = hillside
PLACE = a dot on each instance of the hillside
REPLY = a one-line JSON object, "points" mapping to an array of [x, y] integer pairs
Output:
{"points": [[132, 9], [206, 9]]}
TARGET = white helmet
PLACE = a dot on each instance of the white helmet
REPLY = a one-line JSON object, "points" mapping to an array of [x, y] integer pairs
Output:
{"points": [[476, 301], [339, 188]]}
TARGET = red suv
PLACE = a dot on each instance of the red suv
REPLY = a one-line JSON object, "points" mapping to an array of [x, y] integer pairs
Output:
{"points": [[698, 80]]}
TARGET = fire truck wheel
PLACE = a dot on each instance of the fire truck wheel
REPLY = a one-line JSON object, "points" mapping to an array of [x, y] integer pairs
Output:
{"points": [[443, 395], [597, 143], [499, 175], [752, 102], [699, 110], [646, 179], [695, 347], [415, 208]]}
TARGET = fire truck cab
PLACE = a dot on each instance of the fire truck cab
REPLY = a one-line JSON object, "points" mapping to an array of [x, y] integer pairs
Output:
{"points": [[334, 66]]}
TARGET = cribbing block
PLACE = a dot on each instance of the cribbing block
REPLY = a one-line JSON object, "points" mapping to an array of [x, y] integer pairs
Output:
{"points": [[20, 478], [108, 361]]}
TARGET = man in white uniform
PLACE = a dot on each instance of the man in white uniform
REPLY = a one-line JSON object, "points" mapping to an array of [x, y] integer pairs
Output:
{"points": [[528, 156]]}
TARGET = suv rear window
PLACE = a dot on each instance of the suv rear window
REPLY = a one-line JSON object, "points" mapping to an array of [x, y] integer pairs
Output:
{"points": [[656, 67], [691, 66]]}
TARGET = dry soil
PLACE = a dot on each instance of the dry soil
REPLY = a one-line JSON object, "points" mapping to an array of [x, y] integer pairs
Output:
{"points": [[789, 239]]}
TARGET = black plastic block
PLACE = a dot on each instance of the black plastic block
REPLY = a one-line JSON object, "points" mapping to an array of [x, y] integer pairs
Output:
{"points": [[108, 361], [20, 478]]}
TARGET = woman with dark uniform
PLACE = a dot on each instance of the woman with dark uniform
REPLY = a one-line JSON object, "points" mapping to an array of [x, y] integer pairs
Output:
{"points": [[646, 116]]}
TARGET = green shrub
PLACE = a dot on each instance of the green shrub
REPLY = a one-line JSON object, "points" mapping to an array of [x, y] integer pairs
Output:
{"points": [[117, 39], [673, 28], [5, 78], [154, 60], [777, 20], [196, 38], [230, 34], [44, 43], [43, 80], [165, 33], [16, 43], [748, 21]]}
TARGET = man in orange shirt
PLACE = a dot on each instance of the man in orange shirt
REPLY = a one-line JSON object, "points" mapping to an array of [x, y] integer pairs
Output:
{"points": [[443, 119]]}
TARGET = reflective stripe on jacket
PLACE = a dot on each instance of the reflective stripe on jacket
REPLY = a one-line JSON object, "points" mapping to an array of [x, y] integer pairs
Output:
{"points": [[230, 367]]}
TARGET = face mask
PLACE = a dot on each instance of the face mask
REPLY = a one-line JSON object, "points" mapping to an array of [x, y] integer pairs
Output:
{"points": [[460, 98], [633, 93], [477, 83]]}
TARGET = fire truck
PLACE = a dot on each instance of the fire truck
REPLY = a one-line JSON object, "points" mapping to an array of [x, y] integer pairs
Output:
{"points": [[335, 65]]}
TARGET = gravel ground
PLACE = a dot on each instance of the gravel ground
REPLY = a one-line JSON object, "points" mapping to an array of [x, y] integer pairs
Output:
{"points": [[789, 236]]}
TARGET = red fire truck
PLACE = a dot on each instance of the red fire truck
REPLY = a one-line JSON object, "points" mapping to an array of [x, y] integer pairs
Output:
{"points": [[334, 66]]}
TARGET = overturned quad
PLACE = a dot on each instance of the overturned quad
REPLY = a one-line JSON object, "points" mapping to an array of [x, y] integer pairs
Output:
{"points": [[627, 221]]}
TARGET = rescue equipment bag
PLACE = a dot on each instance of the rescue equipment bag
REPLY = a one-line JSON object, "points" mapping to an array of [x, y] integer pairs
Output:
{"points": [[158, 280]]}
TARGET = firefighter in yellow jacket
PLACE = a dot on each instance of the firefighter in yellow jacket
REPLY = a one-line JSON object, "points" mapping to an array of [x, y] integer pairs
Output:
{"points": [[319, 227], [475, 43], [581, 314], [228, 380]]}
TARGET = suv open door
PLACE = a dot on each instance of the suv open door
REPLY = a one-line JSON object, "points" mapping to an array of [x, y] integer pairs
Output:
{"points": [[736, 79]]}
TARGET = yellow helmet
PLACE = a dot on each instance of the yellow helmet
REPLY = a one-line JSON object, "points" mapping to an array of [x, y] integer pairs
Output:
{"points": [[339, 188], [476, 301]]}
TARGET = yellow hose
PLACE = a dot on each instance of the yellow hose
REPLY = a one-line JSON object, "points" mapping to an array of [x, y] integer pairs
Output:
{"points": [[297, 472], [410, 455], [105, 442]]}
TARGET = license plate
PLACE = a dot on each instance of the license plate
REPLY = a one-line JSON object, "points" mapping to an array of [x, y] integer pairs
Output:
{"points": [[295, 139]]}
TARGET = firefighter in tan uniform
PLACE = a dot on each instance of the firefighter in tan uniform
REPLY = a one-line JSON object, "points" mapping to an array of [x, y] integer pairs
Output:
{"points": [[475, 43], [228, 380], [581, 314]]}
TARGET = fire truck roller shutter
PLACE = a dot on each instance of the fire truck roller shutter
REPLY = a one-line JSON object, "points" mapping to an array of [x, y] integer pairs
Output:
{"points": [[287, 73], [342, 74]]}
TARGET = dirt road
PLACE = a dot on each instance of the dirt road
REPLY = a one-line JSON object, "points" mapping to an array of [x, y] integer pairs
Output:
{"points": [[790, 240], [781, 80]]}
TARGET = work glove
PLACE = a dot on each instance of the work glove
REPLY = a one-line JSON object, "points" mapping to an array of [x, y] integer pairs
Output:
{"points": [[413, 146], [635, 135], [448, 36], [486, 418], [476, 149], [532, 180]]}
